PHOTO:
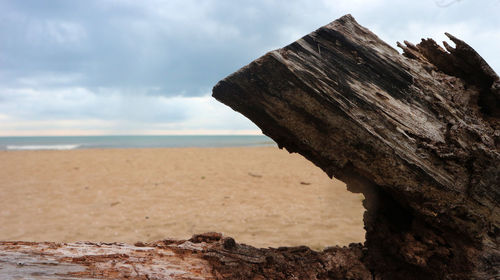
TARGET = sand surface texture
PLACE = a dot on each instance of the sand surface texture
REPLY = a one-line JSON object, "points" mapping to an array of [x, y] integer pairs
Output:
{"points": [[261, 196]]}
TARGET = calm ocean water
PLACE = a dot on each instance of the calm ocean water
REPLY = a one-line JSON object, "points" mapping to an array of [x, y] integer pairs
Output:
{"points": [[89, 142]]}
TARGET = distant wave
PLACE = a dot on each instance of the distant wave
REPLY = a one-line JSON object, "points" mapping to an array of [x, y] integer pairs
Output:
{"points": [[267, 143], [43, 147]]}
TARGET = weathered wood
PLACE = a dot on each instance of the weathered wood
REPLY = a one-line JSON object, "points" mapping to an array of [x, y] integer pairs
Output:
{"points": [[418, 135], [85, 260], [204, 256]]}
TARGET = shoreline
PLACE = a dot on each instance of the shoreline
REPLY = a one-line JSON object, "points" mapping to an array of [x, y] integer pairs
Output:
{"points": [[138, 148], [132, 141], [261, 196]]}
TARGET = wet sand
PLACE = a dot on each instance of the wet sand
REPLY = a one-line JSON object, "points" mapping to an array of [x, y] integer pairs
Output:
{"points": [[261, 196]]}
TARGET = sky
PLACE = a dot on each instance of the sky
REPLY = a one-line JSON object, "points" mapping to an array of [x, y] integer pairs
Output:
{"points": [[122, 67]]}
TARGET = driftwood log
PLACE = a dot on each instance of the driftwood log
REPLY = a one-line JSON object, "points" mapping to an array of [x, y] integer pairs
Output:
{"points": [[204, 256], [418, 134]]}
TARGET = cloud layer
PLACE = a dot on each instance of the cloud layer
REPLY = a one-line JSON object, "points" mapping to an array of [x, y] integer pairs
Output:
{"points": [[109, 66]]}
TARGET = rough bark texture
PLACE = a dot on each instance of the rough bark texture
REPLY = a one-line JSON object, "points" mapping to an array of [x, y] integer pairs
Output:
{"points": [[418, 134], [204, 256]]}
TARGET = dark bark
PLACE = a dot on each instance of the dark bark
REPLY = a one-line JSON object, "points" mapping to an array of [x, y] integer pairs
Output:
{"points": [[418, 135]]}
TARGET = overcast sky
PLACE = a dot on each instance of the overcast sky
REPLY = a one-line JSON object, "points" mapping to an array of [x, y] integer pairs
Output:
{"points": [[148, 67]]}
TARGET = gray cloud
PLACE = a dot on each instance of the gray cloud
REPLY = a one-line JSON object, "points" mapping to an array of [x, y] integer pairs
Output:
{"points": [[124, 61]]}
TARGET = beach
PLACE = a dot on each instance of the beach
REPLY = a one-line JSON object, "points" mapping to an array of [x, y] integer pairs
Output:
{"points": [[261, 196]]}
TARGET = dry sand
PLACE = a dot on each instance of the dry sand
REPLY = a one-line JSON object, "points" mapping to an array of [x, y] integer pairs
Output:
{"points": [[253, 194]]}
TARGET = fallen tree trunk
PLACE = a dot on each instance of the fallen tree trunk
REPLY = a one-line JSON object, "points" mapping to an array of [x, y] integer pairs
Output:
{"points": [[204, 256], [418, 135]]}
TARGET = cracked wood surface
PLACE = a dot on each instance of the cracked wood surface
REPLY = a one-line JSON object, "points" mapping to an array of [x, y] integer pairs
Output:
{"points": [[204, 256], [418, 134], [87, 260]]}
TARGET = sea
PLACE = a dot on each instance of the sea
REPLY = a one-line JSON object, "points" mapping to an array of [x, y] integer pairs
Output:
{"points": [[142, 141]]}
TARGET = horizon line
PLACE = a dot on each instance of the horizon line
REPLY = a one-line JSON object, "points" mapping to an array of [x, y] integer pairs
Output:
{"points": [[132, 133]]}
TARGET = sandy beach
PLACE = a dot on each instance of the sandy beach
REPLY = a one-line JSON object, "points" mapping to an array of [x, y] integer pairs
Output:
{"points": [[261, 196]]}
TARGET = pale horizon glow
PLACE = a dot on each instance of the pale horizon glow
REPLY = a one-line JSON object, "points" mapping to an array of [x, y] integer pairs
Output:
{"points": [[43, 133]]}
